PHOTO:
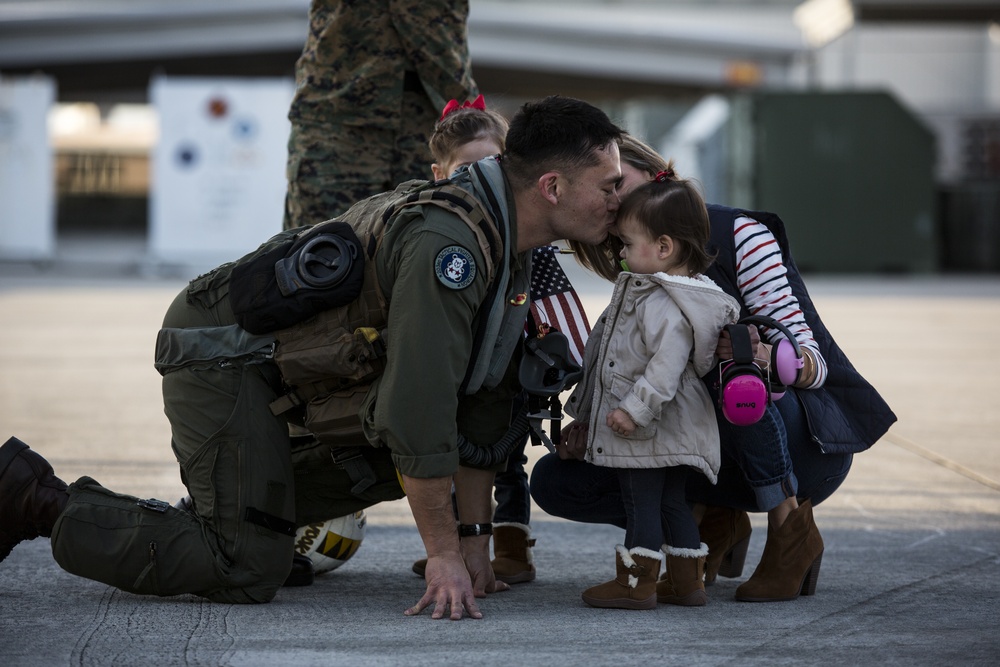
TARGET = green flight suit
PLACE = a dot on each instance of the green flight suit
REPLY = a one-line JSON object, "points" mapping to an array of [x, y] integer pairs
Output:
{"points": [[235, 456]]}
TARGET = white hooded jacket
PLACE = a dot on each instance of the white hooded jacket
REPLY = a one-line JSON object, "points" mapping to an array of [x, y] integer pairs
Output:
{"points": [[647, 355]]}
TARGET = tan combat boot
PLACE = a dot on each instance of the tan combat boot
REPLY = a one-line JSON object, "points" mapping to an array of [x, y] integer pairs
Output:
{"points": [[512, 560], [682, 583], [634, 587]]}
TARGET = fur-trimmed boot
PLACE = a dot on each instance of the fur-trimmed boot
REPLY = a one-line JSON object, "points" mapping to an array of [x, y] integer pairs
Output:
{"points": [[726, 531], [31, 496], [789, 566], [682, 584], [512, 560], [634, 587]]}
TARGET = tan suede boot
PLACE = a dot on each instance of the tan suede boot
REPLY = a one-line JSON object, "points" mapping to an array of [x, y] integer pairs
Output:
{"points": [[512, 560], [682, 583], [634, 587], [789, 566], [726, 531]]}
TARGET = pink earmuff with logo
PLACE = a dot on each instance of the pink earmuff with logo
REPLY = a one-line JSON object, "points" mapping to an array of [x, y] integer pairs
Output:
{"points": [[745, 389]]}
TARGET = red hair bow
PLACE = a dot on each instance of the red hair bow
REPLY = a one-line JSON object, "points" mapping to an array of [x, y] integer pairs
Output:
{"points": [[453, 105]]}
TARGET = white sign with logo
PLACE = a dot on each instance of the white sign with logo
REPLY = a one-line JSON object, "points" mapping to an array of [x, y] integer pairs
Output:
{"points": [[218, 184], [27, 183]]}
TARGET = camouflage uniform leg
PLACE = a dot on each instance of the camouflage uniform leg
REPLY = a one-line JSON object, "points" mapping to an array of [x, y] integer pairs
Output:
{"points": [[370, 83], [330, 168], [340, 148], [412, 156]]}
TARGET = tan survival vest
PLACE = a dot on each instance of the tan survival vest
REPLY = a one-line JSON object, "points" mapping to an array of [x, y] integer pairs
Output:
{"points": [[331, 360]]}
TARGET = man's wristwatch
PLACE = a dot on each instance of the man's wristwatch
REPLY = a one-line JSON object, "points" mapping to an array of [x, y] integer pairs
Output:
{"points": [[474, 529]]}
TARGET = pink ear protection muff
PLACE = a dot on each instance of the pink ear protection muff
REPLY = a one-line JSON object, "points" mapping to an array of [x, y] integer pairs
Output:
{"points": [[743, 393], [746, 390]]}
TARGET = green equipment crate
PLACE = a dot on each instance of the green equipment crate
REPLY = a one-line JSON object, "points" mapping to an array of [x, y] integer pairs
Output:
{"points": [[851, 174]]}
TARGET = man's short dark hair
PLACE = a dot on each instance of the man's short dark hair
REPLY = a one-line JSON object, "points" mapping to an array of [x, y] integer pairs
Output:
{"points": [[556, 133]]}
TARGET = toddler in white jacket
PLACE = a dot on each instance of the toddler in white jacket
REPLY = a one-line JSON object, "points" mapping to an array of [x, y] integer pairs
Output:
{"points": [[650, 415]]}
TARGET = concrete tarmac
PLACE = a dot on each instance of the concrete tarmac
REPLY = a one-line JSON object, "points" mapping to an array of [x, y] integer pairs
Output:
{"points": [[910, 574]]}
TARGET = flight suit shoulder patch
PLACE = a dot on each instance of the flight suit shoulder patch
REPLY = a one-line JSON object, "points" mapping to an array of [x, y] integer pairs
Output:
{"points": [[455, 267]]}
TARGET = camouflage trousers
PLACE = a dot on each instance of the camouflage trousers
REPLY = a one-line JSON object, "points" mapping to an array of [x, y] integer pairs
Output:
{"points": [[333, 166], [371, 81]]}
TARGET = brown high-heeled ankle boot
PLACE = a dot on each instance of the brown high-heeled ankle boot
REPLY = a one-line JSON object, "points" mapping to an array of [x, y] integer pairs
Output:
{"points": [[789, 566], [726, 531]]}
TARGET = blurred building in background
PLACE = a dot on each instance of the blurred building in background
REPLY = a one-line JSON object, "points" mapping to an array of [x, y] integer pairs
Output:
{"points": [[871, 126]]}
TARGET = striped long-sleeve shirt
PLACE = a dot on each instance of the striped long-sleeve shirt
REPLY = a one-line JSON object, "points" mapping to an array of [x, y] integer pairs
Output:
{"points": [[763, 284]]}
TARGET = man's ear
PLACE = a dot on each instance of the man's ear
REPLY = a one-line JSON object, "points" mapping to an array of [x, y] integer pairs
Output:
{"points": [[439, 174], [549, 187]]}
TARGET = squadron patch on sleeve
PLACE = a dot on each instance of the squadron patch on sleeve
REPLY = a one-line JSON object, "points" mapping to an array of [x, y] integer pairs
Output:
{"points": [[455, 267]]}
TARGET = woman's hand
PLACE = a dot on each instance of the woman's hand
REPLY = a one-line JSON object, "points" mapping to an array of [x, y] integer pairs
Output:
{"points": [[573, 443], [724, 350]]}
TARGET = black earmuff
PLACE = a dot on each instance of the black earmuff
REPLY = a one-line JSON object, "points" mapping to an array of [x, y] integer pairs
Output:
{"points": [[786, 356]]}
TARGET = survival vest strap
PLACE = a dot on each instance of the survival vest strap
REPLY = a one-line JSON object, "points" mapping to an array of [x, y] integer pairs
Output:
{"points": [[330, 360], [458, 201]]}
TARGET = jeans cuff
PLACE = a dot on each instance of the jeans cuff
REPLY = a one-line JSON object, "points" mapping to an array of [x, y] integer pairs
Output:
{"points": [[770, 496]]}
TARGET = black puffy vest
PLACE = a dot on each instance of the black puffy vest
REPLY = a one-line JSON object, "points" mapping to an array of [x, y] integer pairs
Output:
{"points": [[846, 414]]}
